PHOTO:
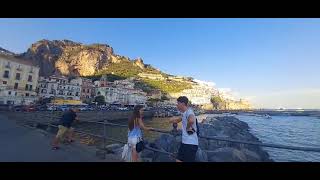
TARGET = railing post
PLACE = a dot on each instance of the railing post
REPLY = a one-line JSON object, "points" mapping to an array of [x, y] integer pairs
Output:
{"points": [[104, 134]]}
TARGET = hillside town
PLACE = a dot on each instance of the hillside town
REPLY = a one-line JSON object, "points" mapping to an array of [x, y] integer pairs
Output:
{"points": [[20, 84]]}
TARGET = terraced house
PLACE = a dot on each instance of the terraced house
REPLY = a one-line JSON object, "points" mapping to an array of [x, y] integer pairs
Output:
{"points": [[18, 81], [59, 87], [120, 91]]}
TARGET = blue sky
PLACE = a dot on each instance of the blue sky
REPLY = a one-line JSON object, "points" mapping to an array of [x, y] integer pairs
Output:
{"points": [[272, 62]]}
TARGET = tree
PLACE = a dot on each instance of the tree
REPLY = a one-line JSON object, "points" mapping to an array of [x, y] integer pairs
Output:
{"points": [[164, 98], [44, 101], [88, 101], [100, 100], [217, 102]]}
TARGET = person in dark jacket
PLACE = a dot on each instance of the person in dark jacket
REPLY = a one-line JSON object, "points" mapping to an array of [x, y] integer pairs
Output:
{"points": [[65, 128]]}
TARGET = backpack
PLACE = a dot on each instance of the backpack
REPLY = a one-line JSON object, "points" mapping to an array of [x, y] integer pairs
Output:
{"points": [[198, 131]]}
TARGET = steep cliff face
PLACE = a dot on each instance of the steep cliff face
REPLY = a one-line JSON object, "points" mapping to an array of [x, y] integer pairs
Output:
{"points": [[69, 58]]}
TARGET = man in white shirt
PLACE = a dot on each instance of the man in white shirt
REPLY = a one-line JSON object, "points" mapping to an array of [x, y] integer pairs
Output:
{"points": [[189, 146]]}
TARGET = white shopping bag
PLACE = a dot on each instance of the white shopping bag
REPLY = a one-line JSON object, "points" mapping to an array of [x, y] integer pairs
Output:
{"points": [[126, 153]]}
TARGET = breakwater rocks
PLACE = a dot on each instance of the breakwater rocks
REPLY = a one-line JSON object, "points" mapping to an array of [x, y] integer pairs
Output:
{"points": [[209, 150]]}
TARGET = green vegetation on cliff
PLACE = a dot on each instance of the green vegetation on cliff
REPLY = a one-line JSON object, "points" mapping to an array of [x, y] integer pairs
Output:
{"points": [[125, 69]]}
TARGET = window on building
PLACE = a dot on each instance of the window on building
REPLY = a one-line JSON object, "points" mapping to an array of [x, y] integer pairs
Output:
{"points": [[6, 74], [77, 94], [27, 87], [8, 65], [4, 82], [83, 90], [10, 102], [30, 87], [27, 94], [88, 90], [19, 68], [30, 78], [9, 92], [15, 86], [15, 93], [18, 76]]}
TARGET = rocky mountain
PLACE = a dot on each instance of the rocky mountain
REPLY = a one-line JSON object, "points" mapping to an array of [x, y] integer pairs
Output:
{"points": [[73, 59]]}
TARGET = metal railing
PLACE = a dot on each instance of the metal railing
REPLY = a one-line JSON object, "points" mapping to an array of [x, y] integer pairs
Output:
{"points": [[175, 133]]}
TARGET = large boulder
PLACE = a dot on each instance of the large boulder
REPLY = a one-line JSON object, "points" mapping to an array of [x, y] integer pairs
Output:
{"points": [[201, 156], [251, 156], [226, 155], [214, 150], [161, 157], [113, 147], [146, 154], [168, 143], [203, 143]]}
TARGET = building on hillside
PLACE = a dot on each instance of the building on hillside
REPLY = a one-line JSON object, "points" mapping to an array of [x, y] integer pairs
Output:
{"points": [[18, 81], [59, 87], [87, 90]]}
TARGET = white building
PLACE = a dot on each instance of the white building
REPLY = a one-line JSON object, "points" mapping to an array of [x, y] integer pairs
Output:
{"points": [[59, 87], [18, 81], [151, 76], [199, 94], [121, 91]]}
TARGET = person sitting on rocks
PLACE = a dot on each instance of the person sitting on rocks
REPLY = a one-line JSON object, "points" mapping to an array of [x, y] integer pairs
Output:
{"points": [[189, 146], [65, 128], [135, 125]]}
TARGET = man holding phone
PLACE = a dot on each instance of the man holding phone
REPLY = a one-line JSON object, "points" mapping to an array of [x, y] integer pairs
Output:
{"points": [[189, 146]]}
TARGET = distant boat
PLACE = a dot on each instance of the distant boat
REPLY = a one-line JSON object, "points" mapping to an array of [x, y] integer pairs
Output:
{"points": [[267, 116], [263, 116]]}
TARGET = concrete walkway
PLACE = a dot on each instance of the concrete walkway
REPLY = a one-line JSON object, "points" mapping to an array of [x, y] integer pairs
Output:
{"points": [[23, 144]]}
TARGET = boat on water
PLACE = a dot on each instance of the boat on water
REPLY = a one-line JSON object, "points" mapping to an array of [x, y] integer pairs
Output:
{"points": [[267, 116]]}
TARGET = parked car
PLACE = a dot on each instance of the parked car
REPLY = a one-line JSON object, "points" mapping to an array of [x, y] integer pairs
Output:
{"points": [[52, 108], [18, 108], [62, 108], [41, 108], [83, 109], [90, 108], [29, 108], [123, 108]]}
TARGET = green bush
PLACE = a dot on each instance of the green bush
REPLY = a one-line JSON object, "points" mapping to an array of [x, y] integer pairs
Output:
{"points": [[100, 100]]}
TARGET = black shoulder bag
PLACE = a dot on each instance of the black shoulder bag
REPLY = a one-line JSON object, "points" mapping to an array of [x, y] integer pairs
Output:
{"points": [[140, 144]]}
